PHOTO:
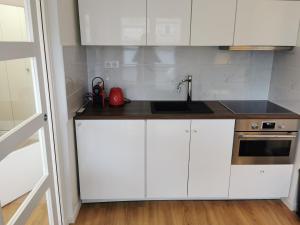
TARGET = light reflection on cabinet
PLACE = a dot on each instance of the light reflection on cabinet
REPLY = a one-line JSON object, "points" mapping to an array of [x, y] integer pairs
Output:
{"points": [[112, 22], [213, 22], [272, 22], [168, 22]]}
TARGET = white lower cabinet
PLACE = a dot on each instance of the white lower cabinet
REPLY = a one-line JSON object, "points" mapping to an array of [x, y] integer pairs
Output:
{"points": [[111, 159], [167, 158], [189, 158], [260, 181], [210, 158]]}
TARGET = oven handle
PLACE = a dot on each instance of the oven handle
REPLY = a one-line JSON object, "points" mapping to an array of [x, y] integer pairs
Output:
{"points": [[267, 136]]}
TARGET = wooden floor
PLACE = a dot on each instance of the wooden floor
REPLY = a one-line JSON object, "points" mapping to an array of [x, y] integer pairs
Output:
{"points": [[39, 216], [187, 213], [171, 213]]}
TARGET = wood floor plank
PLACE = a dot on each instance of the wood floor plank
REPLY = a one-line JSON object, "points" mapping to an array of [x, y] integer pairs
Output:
{"points": [[38, 217], [260, 212]]}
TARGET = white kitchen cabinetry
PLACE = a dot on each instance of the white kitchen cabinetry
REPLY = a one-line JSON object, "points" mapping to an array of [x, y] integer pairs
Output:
{"points": [[167, 158], [267, 22], [210, 158], [168, 22], [112, 22], [260, 181], [213, 22], [111, 159]]}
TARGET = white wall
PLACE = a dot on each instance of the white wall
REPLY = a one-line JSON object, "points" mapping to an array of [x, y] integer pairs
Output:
{"points": [[285, 91], [69, 22], [19, 3], [69, 82], [152, 73], [75, 69]]}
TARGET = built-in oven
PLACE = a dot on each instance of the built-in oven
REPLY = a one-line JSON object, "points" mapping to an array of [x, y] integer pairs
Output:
{"points": [[265, 142]]}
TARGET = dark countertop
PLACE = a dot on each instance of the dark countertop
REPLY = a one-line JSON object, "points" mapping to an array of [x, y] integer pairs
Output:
{"points": [[142, 110]]}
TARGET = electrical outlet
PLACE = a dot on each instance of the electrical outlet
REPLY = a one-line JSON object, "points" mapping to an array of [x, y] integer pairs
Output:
{"points": [[115, 64], [108, 64], [111, 64]]}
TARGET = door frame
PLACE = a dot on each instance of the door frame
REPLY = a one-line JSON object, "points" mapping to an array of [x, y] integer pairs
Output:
{"points": [[55, 74], [53, 48]]}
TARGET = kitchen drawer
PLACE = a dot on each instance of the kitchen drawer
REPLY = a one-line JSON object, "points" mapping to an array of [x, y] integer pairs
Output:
{"points": [[260, 181]]}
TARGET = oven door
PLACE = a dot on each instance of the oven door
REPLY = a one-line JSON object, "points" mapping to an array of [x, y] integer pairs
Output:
{"points": [[264, 147]]}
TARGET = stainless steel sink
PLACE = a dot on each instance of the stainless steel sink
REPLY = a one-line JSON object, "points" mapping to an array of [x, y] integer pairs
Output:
{"points": [[178, 107]]}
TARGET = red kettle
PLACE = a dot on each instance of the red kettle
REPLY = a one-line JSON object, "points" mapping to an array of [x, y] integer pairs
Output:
{"points": [[116, 97]]}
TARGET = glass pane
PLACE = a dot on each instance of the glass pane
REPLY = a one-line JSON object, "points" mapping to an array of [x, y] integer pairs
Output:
{"points": [[13, 21], [39, 215], [17, 95], [19, 173], [256, 148]]}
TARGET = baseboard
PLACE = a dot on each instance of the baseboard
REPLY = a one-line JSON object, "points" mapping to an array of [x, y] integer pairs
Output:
{"points": [[72, 218], [154, 199], [291, 205]]}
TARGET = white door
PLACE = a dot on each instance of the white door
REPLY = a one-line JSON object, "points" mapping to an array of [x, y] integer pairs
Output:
{"points": [[167, 158], [213, 22], [29, 190], [111, 159], [168, 22], [112, 22], [272, 22], [210, 158]]}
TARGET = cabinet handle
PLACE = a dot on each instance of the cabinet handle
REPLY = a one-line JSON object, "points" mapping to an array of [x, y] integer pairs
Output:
{"points": [[261, 171], [187, 131], [195, 131]]}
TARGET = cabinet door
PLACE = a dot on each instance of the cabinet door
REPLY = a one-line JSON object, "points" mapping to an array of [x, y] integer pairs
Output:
{"points": [[167, 158], [272, 22], [168, 22], [210, 158], [260, 181], [213, 22], [112, 22], [111, 157]]}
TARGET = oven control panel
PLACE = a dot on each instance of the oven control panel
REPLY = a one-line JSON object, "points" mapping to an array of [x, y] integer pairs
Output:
{"points": [[267, 125], [264, 126]]}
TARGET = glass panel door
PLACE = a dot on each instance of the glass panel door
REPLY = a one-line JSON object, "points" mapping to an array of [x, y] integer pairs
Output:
{"points": [[27, 176]]}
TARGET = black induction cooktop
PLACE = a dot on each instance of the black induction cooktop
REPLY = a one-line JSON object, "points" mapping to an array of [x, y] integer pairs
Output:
{"points": [[255, 107]]}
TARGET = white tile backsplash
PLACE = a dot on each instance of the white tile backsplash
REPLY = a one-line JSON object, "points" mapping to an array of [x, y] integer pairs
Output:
{"points": [[76, 76], [285, 82], [151, 73]]}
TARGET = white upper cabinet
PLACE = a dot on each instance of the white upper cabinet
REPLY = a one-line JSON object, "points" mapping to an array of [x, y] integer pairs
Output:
{"points": [[168, 22], [112, 22], [213, 22], [187, 22], [267, 22], [210, 158], [167, 158]]}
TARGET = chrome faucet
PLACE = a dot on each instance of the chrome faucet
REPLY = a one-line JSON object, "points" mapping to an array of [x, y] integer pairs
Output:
{"points": [[189, 81]]}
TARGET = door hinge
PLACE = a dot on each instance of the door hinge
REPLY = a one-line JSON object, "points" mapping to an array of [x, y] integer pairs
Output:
{"points": [[45, 117]]}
